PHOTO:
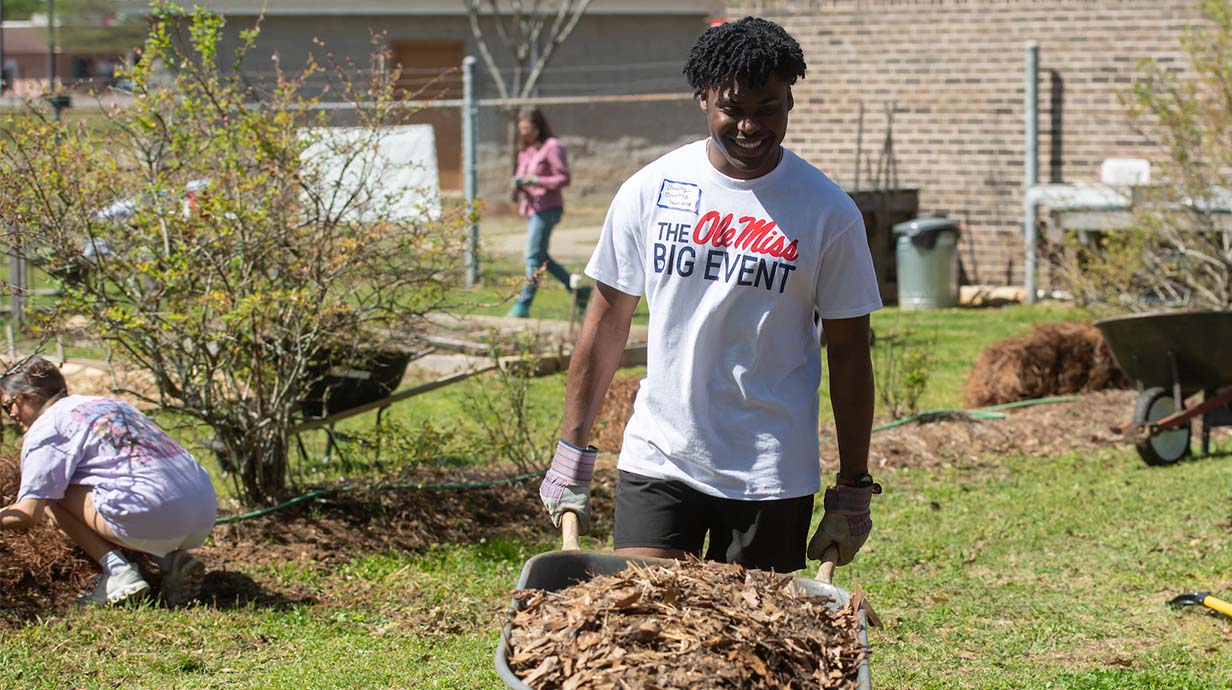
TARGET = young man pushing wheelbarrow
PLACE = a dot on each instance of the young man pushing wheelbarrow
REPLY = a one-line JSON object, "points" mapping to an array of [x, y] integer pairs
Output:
{"points": [[735, 241]]}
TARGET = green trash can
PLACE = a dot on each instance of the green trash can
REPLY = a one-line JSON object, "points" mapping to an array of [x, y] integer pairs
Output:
{"points": [[926, 257]]}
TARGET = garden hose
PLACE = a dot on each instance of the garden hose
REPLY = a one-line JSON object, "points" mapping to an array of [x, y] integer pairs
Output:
{"points": [[990, 412], [982, 413]]}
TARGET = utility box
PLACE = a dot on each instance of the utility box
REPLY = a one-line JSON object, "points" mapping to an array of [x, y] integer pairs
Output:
{"points": [[926, 258], [882, 210]]}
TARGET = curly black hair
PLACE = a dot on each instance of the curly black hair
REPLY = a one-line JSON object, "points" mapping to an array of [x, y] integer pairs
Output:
{"points": [[749, 51]]}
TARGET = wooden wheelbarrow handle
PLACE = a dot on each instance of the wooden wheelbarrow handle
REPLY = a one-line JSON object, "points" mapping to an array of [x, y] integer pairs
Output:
{"points": [[829, 558], [569, 531], [825, 574]]}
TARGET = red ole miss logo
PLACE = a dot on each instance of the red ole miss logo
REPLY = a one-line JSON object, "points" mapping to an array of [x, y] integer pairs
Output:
{"points": [[756, 236]]}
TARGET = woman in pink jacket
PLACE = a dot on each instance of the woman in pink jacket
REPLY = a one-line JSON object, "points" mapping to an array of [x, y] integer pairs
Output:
{"points": [[542, 172]]}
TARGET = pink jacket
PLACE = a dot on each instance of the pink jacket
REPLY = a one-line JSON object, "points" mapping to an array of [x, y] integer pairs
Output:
{"points": [[546, 162]]}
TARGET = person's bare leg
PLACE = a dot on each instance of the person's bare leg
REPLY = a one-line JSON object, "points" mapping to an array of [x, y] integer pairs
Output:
{"points": [[647, 552], [76, 516]]}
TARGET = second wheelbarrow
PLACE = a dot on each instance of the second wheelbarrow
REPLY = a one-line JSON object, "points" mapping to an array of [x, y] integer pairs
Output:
{"points": [[1172, 356]]}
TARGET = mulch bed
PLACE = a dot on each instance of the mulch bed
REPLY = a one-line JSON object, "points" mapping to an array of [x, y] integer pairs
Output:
{"points": [[966, 442], [40, 571], [955, 439], [41, 574], [684, 625]]}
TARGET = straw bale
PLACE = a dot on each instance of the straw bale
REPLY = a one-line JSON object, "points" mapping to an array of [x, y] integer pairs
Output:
{"points": [[1052, 359]]}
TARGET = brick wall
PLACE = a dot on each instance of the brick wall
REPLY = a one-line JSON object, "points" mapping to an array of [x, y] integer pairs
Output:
{"points": [[954, 71]]}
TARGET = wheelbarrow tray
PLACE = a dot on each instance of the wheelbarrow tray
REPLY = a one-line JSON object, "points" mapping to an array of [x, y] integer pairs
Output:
{"points": [[1146, 345], [556, 570]]}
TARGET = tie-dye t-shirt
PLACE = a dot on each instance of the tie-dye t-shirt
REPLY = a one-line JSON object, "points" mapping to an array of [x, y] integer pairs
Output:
{"points": [[144, 484]]}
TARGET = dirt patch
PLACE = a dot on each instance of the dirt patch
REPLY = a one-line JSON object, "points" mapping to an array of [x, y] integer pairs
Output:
{"points": [[41, 573], [334, 528], [39, 569], [95, 377], [1038, 430], [1053, 359], [945, 439]]}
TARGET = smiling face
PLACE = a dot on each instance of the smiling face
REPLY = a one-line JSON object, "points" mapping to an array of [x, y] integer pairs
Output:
{"points": [[747, 125]]}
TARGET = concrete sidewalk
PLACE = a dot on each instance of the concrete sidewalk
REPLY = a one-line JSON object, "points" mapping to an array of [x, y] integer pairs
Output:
{"points": [[568, 245]]}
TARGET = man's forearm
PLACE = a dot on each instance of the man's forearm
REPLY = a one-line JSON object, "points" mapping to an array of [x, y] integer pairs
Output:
{"points": [[851, 397], [596, 356]]}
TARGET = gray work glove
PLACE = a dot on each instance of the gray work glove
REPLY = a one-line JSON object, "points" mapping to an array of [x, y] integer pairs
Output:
{"points": [[846, 522], [566, 484]]}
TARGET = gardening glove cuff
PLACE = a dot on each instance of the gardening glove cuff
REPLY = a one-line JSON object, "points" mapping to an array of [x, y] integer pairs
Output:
{"points": [[566, 484], [845, 523]]}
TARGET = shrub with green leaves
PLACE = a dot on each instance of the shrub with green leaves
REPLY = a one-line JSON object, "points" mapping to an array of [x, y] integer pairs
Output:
{"points": [[903, 368], [221, 236], [507, 423]]}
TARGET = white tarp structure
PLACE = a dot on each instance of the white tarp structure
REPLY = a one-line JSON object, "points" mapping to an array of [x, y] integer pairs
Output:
{"points": [[374, 175]]}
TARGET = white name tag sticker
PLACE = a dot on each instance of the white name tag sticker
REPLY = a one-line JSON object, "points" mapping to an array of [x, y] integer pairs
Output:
{"points": [[680, 196]]}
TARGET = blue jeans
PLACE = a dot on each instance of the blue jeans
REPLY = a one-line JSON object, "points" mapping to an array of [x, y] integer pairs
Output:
{"points": [[538, 232]]}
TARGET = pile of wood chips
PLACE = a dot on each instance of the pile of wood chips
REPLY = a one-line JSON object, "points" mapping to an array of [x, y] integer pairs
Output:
{"points": [[38, 564], [685, 625], [1051, 359]]}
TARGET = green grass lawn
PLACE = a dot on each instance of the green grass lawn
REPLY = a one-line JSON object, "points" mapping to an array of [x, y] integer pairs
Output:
{"points": [[1027, 572], [1031, 573]]}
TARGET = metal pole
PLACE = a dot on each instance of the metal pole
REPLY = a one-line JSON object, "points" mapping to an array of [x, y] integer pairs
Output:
{"points": [[51, 45], [1030, 164], [51, 59], [470, 164], [3, 82]]}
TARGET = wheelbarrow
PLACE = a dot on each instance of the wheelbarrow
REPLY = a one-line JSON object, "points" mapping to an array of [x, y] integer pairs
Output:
{"points": [[1172, 356], [556, 570]]}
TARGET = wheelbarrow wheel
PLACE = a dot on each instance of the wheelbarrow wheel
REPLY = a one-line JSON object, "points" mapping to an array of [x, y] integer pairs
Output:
{"points": [[1164, 447]]}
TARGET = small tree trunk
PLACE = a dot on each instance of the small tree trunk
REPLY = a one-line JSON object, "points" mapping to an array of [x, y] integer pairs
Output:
{"points": [[260, 459]]}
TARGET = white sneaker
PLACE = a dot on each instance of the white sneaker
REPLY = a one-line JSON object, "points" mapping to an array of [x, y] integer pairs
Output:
{"points": [[183, 580], [114, 590]]}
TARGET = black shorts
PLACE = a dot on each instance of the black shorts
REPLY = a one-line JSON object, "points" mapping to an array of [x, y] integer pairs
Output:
{"points": [[668, 514]]}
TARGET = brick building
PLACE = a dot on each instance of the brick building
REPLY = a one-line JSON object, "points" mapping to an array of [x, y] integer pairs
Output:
{"points": [[954, 71], [25, 62]]}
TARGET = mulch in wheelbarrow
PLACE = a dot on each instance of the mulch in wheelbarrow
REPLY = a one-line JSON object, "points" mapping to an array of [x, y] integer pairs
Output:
{"points": [[684, 625]]}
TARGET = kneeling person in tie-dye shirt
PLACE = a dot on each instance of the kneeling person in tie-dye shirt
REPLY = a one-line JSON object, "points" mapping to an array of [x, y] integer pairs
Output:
{"points": [[110, 478]]}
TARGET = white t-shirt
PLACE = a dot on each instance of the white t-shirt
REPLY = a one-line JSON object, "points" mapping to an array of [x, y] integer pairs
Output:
{"points": [[732, 271], [144, 484]]}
